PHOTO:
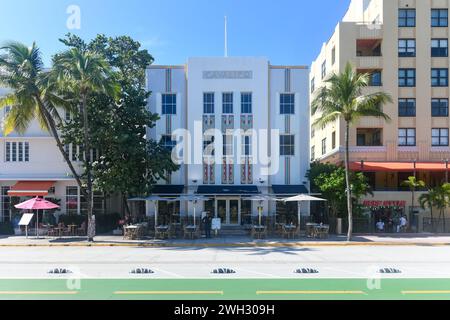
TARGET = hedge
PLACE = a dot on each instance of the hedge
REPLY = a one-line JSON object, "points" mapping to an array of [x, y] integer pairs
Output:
{"points": [[6, 228]]}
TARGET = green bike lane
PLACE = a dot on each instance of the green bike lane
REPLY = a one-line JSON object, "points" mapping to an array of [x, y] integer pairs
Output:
{"points": [[225, 289]]}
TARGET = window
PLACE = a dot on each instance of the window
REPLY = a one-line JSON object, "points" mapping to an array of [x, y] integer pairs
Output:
{"points": [[439, 107], [439, 48], [369, 137], [333, 55], [227, 103], [167, 142], [287, 103], [313, 132], [407, 77], [246, 103], [439, 137], [227, 145], [169, 104], [313, 85], [246, 145], [407, 48], [17, 151], [208, 146], [313, 153], [287, 145], [71, 200], [439, 17], [406, 137], [208, 103], [439, 77], [67, 115], [407, 17], [324, 146], [375, 79], [324, 69], [333, 140], [5, 204], [406, 107]]}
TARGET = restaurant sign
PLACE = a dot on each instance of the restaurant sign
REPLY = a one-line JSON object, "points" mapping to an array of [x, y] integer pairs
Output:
{"points": [[387, 203]]}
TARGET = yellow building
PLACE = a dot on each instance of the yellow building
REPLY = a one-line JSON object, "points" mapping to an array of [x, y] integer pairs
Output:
{"points": [[403, 44]]}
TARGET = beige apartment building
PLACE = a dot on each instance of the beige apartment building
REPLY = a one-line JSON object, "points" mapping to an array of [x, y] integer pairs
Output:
{"points": [[403, 44]]}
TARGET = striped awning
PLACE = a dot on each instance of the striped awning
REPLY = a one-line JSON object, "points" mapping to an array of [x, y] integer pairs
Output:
{"points": [[31, 188]]}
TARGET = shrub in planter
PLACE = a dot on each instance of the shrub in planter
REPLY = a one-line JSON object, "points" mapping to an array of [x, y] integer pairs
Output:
{"points": [[105, 223], [6, 229]]}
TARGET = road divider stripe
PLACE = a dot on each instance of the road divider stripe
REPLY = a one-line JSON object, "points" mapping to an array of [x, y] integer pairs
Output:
{"points": [[38, 292], [312, 292], [168, 292], [427, 292]]}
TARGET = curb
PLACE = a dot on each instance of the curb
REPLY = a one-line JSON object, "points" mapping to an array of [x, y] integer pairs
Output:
{"points": [[234, 245]]}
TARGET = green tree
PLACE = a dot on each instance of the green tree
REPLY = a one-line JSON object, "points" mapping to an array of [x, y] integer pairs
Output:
{"points": [[32, 97], [80, 74], [329, 180], [429, 200], [129, 163], [413, 184], [342, 98]]}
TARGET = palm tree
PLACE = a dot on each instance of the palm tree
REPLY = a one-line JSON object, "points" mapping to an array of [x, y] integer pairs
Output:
{"points": [[32, 97], [81, 74], [429, 200], [342, 98], [413, 184]]}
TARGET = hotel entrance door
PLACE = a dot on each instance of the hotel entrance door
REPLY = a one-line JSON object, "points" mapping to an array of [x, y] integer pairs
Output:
{"points": [[229, 211]]}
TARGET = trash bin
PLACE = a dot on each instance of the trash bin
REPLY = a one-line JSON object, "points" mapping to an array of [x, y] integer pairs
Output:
{"points": [[339, 226]]}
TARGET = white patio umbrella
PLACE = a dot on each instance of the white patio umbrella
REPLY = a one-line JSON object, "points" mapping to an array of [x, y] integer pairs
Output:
{"points": [[191, 198], [260, 199], [302, 198]]}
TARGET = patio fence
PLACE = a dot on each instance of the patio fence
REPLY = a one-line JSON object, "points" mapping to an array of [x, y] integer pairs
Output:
{"points": [[436, 225]]}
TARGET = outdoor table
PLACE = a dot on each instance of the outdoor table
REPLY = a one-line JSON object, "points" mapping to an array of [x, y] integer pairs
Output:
{"points": [[290, 230], [191, 231], [321, 231], [311, 229], [72, 229], [130, 232], [59, 231], [258, 231], [162, 231]]}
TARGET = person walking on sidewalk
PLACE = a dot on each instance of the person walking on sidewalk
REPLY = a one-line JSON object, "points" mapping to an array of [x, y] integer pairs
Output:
{"points": [[207, 224]]}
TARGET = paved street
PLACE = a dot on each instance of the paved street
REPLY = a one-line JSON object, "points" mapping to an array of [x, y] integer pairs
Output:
{"points": [[266, 272]]}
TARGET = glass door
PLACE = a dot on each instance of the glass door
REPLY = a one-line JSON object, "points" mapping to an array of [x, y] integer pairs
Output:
{"points": [[222, 211], [234, 212], [229, 211]]}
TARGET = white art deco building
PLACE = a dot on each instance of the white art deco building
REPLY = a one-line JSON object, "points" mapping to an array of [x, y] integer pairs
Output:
{"points": [[256, 109]]}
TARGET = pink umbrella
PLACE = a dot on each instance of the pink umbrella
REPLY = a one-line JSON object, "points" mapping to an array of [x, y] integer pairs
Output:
{"points": [[37, 204]]}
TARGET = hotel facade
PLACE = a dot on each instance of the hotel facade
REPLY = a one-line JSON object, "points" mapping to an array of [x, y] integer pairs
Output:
{"points": [[403, 45], [257, 110], [265, 107]]}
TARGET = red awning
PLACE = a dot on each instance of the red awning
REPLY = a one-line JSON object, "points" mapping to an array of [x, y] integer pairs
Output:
{"points": [[30, 188], [397, 166]]}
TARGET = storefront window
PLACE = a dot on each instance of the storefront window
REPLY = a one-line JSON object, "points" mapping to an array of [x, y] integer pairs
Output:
{"points": [[5, 205], [71, 200]]}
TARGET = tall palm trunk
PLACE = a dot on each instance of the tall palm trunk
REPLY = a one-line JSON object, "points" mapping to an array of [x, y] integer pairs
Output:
{"points": [[52, 126], [87, 159], [347, 181]]}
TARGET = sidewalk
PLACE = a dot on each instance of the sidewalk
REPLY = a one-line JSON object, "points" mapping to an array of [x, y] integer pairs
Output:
{"points": [[358, 240]]}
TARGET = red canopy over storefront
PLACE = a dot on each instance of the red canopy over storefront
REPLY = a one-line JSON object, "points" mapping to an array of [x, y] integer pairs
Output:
{"points": [[398, 166], [30, 188]]}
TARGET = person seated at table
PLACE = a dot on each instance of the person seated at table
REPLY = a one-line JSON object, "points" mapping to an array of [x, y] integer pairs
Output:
{"points": [[380, 226]]}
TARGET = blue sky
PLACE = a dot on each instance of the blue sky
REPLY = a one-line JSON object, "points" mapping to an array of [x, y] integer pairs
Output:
{"points": [[285, 31]]}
